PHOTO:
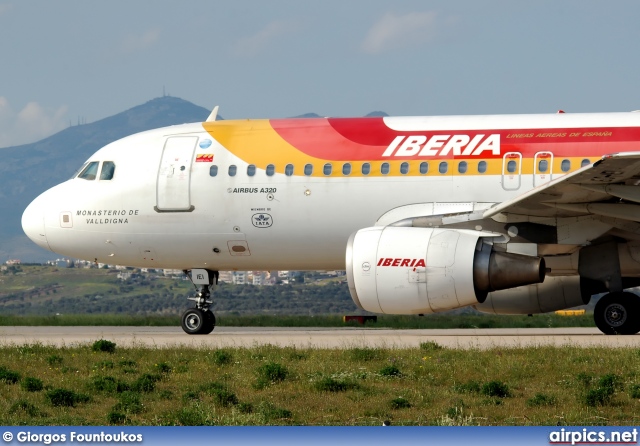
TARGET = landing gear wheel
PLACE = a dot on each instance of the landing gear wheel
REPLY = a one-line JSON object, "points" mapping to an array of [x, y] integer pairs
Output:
{"points": [[210, 322], [200, 320], [618, 313], [194, 321]]}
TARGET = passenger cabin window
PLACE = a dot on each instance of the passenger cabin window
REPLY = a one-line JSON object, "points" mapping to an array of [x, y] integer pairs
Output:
{"points": [[271, 169], [232, 170], [213, 171], [482, 167], [384, 169], [565, 165], [308, 169], [90, 172], [404, 168], [543, 166], [424, 167], [511, 166], [251, 170], [288, 170], [346, 169], [327, 169], [462, 167], [108, 169], [443, 167], [366, 168], [585, 162]]}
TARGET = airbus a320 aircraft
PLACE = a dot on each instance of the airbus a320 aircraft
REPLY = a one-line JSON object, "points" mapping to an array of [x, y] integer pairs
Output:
{"points": [[514, 214]]}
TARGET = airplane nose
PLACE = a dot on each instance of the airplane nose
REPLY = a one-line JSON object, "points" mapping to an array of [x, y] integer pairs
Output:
{"points": [[33, 223]]}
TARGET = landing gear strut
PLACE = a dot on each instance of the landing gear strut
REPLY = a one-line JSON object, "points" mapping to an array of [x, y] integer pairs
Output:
{"points": [[200, 320], [617, 313]]}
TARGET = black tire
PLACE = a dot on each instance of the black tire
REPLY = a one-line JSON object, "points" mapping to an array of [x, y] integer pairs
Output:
{"points": [[210, 322], [194, 321], [618, 313]]}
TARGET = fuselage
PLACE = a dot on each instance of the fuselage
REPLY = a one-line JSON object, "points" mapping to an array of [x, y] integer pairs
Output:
{"points": [[287, 194]]}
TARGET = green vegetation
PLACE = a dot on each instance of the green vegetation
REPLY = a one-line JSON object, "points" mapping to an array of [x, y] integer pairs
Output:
{"points": [[102, 345], [65, 397], [331, 384], [602, 394], [366, 353], [50, 296], [8, 376], [353, 386], [496, 388], [390, 370], [400, 403], [270, 373], [31, 384], [36, 290], [541, 399]]}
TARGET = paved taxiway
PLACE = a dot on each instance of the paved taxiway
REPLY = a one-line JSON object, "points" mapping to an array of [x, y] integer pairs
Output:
{"points": [[316, 337]]}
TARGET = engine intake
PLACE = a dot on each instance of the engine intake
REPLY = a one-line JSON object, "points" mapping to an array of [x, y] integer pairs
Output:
{"points": [[398, 270]]}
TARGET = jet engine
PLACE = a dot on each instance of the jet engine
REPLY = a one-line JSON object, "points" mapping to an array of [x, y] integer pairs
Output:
{"points": [[399, 270], [556, 293]]}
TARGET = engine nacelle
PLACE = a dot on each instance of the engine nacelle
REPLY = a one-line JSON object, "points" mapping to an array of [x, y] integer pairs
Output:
{"points": [[555, 293], [399, 270]]}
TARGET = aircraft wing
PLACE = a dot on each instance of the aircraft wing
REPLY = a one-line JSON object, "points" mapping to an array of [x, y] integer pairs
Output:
{"points": [[607, 187]]}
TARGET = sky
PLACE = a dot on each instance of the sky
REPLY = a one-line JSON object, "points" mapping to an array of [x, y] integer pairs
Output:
{"points": [[72, 60]]}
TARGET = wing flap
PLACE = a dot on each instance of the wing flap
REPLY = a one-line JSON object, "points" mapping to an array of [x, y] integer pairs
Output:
{"points": [[554, 199]]}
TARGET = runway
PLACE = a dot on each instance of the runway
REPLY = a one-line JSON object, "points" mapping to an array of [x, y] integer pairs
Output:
{"points": [[159, 337]]}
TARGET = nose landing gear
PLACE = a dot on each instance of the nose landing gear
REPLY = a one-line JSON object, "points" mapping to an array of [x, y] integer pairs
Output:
{"points": [[200, 320]]}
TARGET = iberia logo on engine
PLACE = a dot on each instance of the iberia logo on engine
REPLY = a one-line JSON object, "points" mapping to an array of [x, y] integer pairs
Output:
{"points": [[411, 263]]}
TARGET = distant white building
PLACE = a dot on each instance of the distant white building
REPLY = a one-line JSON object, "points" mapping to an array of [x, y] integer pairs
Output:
{"points": [[225, 276], [172, 272], [259, 278], [240, 278]]}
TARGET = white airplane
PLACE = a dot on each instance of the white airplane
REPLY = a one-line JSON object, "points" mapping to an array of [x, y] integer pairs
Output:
{"points": [[513, 214]]}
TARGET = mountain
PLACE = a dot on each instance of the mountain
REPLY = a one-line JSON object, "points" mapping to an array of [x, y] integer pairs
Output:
{"points": [[308, 115], [29, 169], [376, 114]]}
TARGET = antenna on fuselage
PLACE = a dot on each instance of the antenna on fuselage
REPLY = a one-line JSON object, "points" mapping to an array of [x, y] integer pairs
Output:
{"points": [[214, 114]]}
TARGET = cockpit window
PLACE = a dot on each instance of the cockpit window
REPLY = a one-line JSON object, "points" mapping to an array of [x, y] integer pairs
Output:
{"points": [[108, 168], [75, 174], [90, 172]]}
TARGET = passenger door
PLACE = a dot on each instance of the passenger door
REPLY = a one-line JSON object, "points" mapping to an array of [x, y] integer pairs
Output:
{"points": [[174, 175]]}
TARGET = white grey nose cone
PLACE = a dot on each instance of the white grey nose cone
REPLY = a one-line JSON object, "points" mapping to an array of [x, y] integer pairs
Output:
{"points": [[33, 223]]}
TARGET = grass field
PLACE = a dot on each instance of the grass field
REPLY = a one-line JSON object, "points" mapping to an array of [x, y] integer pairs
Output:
{"points": [[268, 385]]}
